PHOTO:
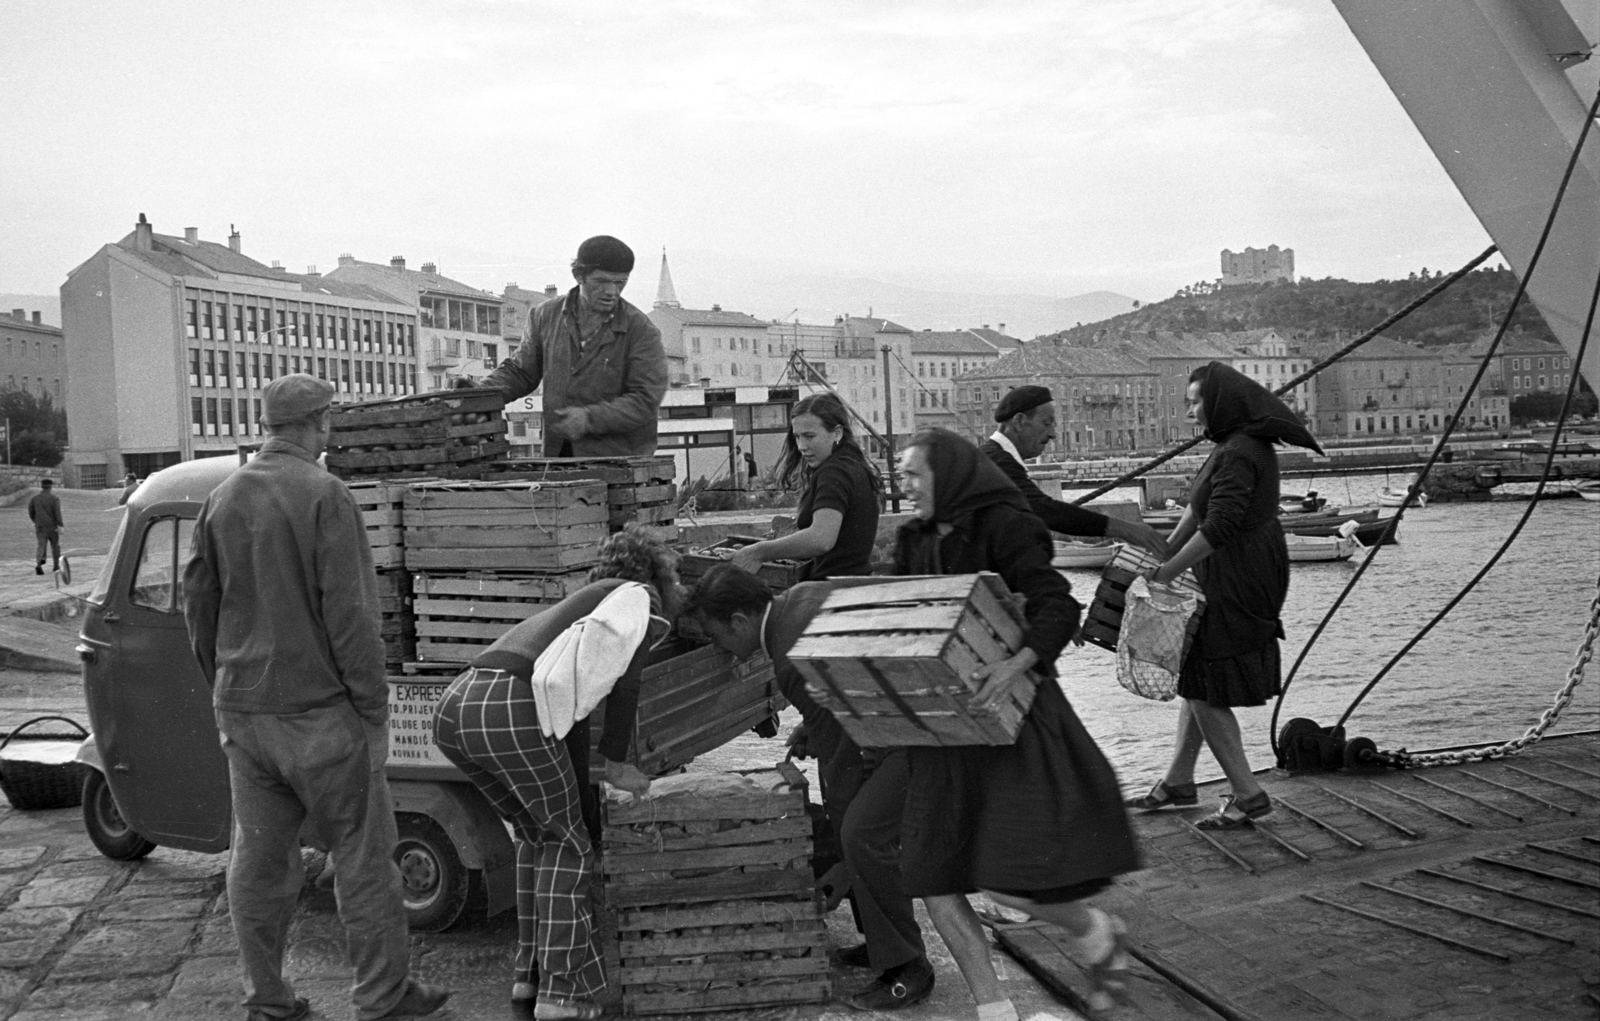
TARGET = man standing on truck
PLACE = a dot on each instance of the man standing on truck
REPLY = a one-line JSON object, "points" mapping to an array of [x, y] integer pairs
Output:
{"points": [[44, 510], [600, 360], [281, 601]]}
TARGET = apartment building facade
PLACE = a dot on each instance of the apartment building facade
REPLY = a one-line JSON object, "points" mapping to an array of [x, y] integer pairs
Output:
{"points": [[32, 356], [462, 332], [1383, 388], [939, 356], [169, 342], [1106, 400]]}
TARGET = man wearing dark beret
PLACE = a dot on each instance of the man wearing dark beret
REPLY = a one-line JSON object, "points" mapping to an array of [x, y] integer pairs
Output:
{"points": [[600, 360], [1027, 417]]}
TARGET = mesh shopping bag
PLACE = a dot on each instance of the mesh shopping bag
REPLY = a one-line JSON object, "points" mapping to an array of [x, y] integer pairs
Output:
{"points": [[1156, 628]]}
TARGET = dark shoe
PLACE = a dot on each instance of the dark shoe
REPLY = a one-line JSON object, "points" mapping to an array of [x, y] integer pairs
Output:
{"points": [[38, 568], [855, 957], [1163, 794], [1236, 812], [301, 1008], [908, 984], [419, 1001]]}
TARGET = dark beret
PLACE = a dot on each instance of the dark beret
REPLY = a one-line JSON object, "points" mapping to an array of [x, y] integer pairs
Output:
{"points": [[604, 252], [1020, 399]]}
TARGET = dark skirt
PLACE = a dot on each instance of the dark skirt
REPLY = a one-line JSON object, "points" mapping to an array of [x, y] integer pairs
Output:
{"points": [[1248, 679], [1043, 814]]}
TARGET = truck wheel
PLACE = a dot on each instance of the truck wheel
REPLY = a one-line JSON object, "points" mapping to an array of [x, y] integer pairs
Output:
{"points": [[108, 830], [436, 885]]}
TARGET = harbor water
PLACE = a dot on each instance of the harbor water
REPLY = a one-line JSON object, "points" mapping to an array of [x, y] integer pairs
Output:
{"points": [[1485, 673]]}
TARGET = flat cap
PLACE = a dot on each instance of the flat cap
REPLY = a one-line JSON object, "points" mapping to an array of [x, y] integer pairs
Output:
{"points": [[1020, 399], [604, 252], [294, 396]]}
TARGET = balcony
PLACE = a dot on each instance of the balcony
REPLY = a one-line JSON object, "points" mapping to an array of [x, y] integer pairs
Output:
{"points": [[439, 358], [1107, 400]]}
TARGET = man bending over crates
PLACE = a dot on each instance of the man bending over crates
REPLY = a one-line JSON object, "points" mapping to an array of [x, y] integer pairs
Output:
{"points": [[600, 360], [863, 793]]}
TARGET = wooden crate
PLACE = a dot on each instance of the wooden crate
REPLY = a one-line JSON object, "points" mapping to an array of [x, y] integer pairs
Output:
{"points": [[417, 433], [398, 626], [504, 526], [711, 896], [460, 615], [382, 507], [1103, 623], [638, 489], [693, 698], [778, 574], [891, 660]]}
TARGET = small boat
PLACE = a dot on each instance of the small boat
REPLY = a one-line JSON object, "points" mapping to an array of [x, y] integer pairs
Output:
{"points": [[1368, 530], [1589, 491], [1301, 503], [1322, 548], [1394, 496], [1076, 553]]}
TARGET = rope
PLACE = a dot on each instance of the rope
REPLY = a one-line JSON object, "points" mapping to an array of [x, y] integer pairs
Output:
{"points": [[1415, 304], [1438, 449]]}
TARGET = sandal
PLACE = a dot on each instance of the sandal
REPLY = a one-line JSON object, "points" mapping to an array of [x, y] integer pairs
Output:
{"points": [[1237, 812], [523, 992], [1180, 795], [1108, 977], [572, 1010]]}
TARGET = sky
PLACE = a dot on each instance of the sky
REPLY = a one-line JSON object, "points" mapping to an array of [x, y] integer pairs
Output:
{"points": [[1053, 147]]}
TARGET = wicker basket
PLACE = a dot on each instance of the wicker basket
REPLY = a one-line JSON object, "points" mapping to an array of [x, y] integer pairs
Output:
{"points": [[34, 786]]}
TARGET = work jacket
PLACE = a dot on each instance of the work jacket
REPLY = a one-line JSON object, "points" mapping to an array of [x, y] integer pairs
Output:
{"points": [[280, 594], [1058, 515], [618, 379], [44, 510]]}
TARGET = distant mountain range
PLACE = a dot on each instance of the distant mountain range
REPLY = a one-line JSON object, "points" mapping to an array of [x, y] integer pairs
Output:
{"points": [[49, 305]]}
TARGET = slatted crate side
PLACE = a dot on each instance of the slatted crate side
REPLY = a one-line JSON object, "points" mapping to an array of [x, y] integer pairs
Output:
{"points": [[442, 455], [495, 537], [615, 470], [492, 587], [557, 559], [783, 802], [514, 516], [438, 432], [632, 495], [416, 408], [764, 993], [779, 575], [643, 513], [623, 841], [893, 661], [512, 496]]}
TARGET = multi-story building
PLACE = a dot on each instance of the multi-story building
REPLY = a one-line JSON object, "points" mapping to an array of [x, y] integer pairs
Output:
{"points": [[711, 347], [461, 330], [517, 304], [32, 356], [1383, 388], [1172, 357], [1529, 365], [848, 358], [939, 356], [1106, 400], [169, 342], [1258, 265], [1272, 361], [1488, 407]]}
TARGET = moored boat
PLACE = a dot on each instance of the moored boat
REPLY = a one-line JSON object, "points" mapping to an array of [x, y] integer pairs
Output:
{"points": [[1589, 491], [1394, 496], [1078, 553]]}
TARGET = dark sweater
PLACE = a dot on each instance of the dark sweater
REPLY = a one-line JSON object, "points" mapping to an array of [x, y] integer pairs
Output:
{"points": [[1057, 515]]}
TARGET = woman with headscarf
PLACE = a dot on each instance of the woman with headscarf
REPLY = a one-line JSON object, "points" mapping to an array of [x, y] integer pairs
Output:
{"points": [[503, 723], [1231, 537], [1038, 824]]}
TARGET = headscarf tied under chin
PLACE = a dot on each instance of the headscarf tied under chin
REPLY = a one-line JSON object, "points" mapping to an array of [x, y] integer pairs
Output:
{"points": [[1235, 403], [964, 479]]}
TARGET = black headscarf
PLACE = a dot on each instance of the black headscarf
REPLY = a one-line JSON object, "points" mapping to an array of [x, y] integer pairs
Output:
{"points": [[964, 480], [1235, 403]]}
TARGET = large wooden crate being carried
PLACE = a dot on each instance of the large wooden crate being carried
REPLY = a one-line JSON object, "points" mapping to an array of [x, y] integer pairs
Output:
{"points": [[436, 433], [708, 887], [892, 660]]}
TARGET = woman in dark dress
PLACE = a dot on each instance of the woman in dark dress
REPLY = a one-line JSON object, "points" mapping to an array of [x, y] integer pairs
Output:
{"points": [[837, 522], [1231, 537], [1038, 824]]}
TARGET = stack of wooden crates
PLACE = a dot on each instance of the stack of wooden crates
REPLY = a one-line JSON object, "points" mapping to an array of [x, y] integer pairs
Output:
{"points": [[487, 555], [708, 888], [382, 507], [438, 434], [638, 489]]}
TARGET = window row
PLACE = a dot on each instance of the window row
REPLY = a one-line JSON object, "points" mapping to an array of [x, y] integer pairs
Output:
{"points": [[297, 327], [226, 369], [1557, 362], [734, 344], [36, 386], [467, 316], [20, 348]]}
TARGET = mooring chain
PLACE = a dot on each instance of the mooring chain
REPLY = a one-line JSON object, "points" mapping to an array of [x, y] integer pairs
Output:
{"points": [[1547, 719]]}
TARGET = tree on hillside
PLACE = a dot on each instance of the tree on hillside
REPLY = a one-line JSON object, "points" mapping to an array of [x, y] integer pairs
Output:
{"points": [[1545, 406], [38, 429]]}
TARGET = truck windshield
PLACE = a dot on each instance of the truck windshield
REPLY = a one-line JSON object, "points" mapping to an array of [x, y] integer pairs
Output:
{"points": [[102, 584]]}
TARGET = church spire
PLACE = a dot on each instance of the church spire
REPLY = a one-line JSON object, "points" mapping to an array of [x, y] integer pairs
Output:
{"points": [[666, 297]]}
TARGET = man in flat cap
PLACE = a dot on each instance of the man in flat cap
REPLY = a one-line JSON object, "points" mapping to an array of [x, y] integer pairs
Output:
{"points": [[600, 360], [281, 601], [1027, 417]]}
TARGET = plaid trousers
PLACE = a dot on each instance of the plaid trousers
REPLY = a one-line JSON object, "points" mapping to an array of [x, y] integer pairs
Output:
{"points": [[486, 724]]}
